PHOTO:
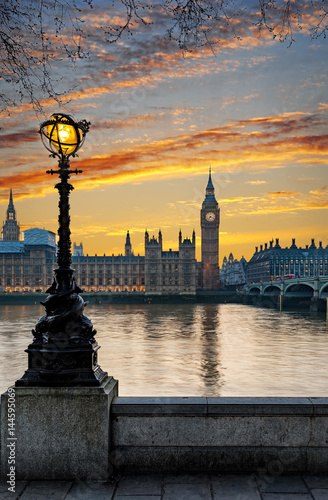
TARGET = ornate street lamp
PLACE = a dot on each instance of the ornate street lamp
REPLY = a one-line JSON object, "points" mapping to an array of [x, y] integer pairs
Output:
{"points": [[64, 350]]}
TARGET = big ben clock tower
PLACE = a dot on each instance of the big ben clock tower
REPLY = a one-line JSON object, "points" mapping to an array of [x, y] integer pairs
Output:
{"points": [[210, 222]]}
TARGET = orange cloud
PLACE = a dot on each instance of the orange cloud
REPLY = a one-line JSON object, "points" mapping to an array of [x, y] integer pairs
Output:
{"points": [[283, 193], [230, 148]]}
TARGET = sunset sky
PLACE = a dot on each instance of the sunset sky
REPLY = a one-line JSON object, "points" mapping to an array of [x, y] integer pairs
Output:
{"points": [[255, 110]]}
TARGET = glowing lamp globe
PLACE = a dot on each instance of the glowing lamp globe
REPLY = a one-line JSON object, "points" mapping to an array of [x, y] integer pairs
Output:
{"points": [[62, 136]]}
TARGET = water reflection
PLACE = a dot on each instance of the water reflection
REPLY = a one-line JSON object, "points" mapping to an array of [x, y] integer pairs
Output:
{"points": [[190, 349], [209, 328]]}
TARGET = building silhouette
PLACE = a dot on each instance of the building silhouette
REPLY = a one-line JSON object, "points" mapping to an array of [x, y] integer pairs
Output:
{"points": [[273, 262], [111, 273], [28, 265], [170, 271]]}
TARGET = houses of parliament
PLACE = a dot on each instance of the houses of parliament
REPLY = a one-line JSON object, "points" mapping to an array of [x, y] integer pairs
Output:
{"points": [[27, 265]]}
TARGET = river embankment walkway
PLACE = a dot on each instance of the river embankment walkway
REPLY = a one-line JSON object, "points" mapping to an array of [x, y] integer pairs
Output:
{"points": [[176, 487]]}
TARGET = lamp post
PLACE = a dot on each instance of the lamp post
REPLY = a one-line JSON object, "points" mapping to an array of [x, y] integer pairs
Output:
{"points": [[64, 350]]}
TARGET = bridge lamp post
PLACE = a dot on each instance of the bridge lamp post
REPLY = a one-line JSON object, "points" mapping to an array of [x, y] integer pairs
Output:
{"points": [[64, 350]]}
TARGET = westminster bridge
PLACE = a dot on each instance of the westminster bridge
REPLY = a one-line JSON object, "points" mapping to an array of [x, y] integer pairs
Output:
{"points": [[298, 290], [316, 287]]}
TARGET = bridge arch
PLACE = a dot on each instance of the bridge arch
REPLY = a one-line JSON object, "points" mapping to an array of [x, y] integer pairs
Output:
{"points": [[299, 290], [271, 290], [254, 290], [323, 292]]}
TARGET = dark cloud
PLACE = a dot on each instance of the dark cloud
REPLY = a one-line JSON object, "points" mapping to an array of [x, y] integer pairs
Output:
{"points": [[17, 138]]}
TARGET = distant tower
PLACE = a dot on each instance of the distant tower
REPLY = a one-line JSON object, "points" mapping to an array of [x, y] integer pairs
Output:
{"points": [[128, 247], [210, 222], [10, 229], [78, 250]]}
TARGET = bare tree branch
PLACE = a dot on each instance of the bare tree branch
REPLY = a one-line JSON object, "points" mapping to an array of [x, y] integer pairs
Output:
{"points": [[36, 35]]}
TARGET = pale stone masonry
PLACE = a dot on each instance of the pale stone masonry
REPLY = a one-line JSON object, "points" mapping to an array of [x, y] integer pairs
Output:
{"points": [[220, 435], [82, 433]]}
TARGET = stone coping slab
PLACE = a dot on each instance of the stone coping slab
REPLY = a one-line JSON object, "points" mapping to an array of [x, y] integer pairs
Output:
{"points": [[211, 406], [106, 386]]}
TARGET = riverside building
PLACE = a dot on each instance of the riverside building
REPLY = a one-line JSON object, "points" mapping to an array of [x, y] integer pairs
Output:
{"points": [[273, 262], [233, 272]]}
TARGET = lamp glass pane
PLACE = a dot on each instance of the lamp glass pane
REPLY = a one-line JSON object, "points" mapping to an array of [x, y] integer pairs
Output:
{"points": [[63, 137]]}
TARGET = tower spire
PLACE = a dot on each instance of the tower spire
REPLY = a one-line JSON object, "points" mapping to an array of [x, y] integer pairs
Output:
{"points": [[128, 246], [11, 201], [11, 230], [210, 183]]}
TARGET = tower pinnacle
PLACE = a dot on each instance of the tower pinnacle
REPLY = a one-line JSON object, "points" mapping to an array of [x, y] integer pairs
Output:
{"points": [[210, 183], [128, 246], [11, 230]]}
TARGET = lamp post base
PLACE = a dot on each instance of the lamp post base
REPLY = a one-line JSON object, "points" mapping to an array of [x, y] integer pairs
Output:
{"points": [[62, 365]]}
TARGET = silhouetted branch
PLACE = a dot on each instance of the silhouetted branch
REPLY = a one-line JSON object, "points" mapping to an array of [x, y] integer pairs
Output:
{"points": [[36, 35]]}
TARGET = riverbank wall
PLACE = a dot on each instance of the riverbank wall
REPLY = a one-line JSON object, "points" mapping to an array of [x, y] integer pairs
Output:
{"points": [[103, 298], [156, 434], [219, 297]]}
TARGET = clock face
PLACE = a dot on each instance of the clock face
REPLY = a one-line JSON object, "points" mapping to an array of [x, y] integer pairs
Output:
{"points": [[210, 216]]}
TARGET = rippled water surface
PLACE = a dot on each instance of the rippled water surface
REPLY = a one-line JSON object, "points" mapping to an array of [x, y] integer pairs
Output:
{"points": [[191, 349]]}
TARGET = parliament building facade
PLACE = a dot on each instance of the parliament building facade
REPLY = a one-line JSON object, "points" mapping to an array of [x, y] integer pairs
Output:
{"points": [[27, 265]]}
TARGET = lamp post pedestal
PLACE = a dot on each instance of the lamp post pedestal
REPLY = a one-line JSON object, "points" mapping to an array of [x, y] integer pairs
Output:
{"points": [[62, 365], [61, 433]]}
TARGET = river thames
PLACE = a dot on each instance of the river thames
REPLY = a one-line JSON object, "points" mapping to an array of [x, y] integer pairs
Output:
{"points": [[191, 349]]}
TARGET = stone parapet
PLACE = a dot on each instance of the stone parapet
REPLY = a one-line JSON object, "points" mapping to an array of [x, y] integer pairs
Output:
{"points": [[220, 434], [88, 433]]}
